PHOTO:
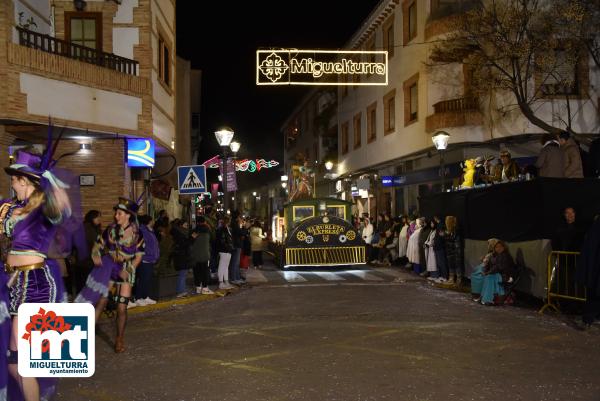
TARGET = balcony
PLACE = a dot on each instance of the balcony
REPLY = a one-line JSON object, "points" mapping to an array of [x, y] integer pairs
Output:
{"points": [[49, 44], [57, 59], [454, 113]]}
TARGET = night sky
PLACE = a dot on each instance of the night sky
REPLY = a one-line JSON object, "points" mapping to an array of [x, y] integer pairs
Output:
{"points": [[222, 42]]}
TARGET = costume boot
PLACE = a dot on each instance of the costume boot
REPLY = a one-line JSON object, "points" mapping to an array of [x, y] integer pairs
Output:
{"points": [[451, 278], [119, 344]]}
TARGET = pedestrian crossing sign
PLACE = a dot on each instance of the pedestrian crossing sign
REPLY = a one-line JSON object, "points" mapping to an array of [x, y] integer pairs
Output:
{"points": [[191, 179]]}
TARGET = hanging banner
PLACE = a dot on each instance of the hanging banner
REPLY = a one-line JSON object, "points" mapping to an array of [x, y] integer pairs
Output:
{"points": [[230, 181], [243, 165], [322, 67]]}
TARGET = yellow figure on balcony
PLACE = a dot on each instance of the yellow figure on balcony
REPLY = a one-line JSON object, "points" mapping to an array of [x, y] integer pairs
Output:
{"points": [[469, 173]]}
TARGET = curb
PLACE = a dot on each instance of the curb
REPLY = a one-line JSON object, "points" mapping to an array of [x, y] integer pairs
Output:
{"points": [[191, 299]]}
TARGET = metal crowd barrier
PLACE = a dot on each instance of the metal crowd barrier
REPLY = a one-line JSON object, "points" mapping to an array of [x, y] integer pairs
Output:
{"points": [[561, 280]]}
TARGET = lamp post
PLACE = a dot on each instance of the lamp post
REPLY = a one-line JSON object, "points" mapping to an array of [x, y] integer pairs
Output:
{"points": [[328, 167], [224, 137], [440, 140], [235, 147]]}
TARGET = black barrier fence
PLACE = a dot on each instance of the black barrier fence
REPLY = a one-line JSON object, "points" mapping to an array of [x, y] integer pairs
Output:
{"points": [[516, 211]]}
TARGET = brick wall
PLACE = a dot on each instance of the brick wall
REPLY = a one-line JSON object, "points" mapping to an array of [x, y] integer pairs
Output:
{"points": [[5, 141], [106, 160]]}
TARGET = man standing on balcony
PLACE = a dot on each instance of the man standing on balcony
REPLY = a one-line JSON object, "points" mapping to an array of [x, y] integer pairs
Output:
{"points": [[509, 170], [573, 166]]}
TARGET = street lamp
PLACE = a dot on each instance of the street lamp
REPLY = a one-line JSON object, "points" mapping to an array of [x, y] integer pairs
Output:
{"points": [[284, 181], [224, 137], [329, 165], [440, 140]]}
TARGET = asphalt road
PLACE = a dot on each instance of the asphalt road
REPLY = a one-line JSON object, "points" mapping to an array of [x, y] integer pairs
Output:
{"points": [[390, 339]]}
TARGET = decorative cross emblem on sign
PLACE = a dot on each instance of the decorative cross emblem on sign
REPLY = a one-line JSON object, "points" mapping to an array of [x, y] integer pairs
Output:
{"points": [[273, 67]]}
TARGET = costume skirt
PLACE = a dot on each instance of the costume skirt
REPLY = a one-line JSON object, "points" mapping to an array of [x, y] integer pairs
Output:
{"points": [[43, 285], [5, 330], [98, 281], [40, 285]]}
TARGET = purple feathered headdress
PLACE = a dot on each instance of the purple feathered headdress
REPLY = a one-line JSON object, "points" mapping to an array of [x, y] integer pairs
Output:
{"points": [[39, 169]]}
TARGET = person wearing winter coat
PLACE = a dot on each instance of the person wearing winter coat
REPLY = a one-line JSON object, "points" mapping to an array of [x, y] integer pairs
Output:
{"points": [[181, 243], [237, 235], [573, 166], [225, 248], [256, 243], [403, 238], [453, 247], [440, 252], [412, 251], [200, 255], [145, 271], [423, 235], [164, 266], [431, 264], [551, 160], [588, 274], [496, 267]]}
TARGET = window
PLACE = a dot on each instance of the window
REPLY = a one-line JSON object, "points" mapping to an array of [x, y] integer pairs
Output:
{"points": [[372, 122], [356, 77], [344, 138], [357, 133], [409, 18], [412, 21], [388, 36], [563, 79], [371, 47], [411, 100], [389, 112], [84, 29], [164, 61]]}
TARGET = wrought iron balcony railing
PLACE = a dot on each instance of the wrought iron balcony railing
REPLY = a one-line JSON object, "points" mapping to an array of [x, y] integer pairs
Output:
{"points": [[456, 105], [47, 43]]}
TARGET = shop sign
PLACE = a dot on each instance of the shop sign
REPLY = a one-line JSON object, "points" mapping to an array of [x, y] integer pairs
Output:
{"points": [[338, 186], [140, 152], [363, 183], [321, 67], [393, 180]]}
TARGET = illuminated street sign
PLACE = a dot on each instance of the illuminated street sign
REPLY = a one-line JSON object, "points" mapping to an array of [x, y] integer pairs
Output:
{"points": [[140, 153], [321, 67]]}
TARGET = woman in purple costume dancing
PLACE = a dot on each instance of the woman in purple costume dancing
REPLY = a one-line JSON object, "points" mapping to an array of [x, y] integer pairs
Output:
{"points": [[28, 224], [116, 254]]}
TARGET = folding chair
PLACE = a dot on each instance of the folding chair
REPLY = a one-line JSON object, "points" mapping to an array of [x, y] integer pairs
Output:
{"points": [[510, 287]]}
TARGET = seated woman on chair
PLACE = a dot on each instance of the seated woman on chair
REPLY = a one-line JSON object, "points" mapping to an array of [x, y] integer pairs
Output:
{"points": [[487, 278]]}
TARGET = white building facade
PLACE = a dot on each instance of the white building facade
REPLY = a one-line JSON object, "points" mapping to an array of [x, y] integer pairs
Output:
{"points": [[387, 130]]}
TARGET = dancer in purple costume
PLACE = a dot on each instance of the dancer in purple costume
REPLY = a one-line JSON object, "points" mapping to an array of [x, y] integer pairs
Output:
{"points": [[28, 224], [116, 254]]}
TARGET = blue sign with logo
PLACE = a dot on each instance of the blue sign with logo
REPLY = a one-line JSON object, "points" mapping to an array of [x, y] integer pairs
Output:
{"points": [[191, 179], [140, 152], [393, 180]]}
